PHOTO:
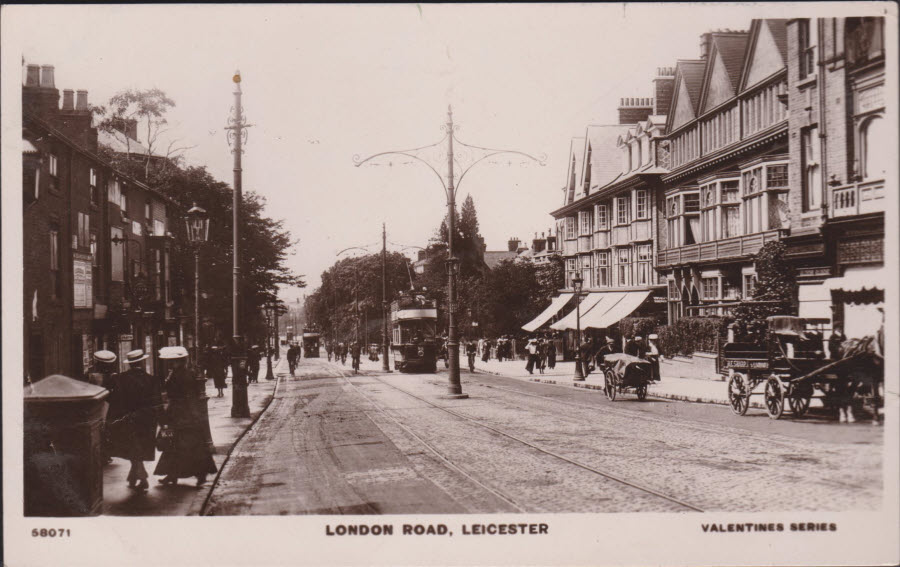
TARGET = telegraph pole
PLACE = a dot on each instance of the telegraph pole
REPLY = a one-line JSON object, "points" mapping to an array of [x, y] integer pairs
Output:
{"points": [[454, 389], [385, 366], [237, 131]]}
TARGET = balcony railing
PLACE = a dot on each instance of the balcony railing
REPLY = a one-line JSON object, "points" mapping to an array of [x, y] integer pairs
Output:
{"points": [[736, 247], [857, 199]]}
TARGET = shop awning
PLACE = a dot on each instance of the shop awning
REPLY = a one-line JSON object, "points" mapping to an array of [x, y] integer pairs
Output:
{"points": [[558, 303], [619, 308], [858, 279], [569, 321], [609, 300]]}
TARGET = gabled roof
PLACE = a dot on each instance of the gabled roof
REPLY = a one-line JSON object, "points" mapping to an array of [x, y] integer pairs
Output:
{"points": [[774, 28], [688, 80], [576, 154], [606, 158], [729, 48]]}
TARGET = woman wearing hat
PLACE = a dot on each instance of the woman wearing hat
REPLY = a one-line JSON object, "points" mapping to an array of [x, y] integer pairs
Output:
{"points": [[191, 453], [218, 368], [134, 406]]}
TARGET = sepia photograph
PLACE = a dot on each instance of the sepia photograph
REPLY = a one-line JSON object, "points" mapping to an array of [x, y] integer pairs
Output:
{"points": [[450, 284]]}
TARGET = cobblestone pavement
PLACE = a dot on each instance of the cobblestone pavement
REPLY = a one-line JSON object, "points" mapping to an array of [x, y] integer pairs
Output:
{"points": [[377, 443]]}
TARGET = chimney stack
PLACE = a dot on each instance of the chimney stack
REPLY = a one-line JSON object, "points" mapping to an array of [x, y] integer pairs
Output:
{"points": [[633, 110], [47, 80], [68, 100], [33, 75], [513, 244], [705, 43], [81, 103], [664, 88]]}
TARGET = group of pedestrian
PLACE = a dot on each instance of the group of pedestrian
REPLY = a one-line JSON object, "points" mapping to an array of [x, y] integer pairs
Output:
{"points": [[541, 354], [138, 419], [592, 356]]}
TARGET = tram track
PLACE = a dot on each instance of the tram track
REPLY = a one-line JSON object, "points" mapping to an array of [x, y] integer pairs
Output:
{"points": [[769, 439], [510, 436]]}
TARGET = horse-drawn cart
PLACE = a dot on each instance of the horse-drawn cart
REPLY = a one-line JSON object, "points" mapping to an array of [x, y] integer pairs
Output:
{"points": [[793, 366]]}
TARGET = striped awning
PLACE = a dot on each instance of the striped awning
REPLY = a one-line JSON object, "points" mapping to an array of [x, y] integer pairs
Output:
{"points": [[624, 307], [558, 303], [570, 321]]}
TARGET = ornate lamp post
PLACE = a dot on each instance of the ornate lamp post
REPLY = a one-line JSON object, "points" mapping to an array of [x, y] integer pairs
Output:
{"points": [[196, 223], [470, 155], [237, 135], [577, 282]]}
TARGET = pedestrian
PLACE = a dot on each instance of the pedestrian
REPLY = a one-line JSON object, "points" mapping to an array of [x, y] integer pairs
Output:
{"points": [[355, 354], [542, 354], [134, 408], [471, 351], [608, 348], [551, 354], [532, 350], [328, 350], [253, 358], [343, 349], [101, 374], [217, 368], [586, 350], [191, 452], [636, 347], [292, 357], [486, 350], [653, 355]]}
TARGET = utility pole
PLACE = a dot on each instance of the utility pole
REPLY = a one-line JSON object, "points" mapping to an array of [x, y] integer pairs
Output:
{"points": [[237, 131], [385, 366]]}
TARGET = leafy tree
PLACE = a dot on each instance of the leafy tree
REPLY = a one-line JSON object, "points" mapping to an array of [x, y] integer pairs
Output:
{"points": [[550, 279], [775, 290], [510, 297]]}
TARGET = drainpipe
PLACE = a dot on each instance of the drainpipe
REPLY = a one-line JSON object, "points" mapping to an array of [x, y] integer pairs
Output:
{"points": [[823, 137]]}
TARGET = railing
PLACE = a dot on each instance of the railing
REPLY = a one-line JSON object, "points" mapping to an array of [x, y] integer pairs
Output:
{"points": [[736, 247], [857, 199]]}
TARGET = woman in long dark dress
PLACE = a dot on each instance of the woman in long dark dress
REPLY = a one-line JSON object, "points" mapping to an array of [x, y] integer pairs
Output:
{"points": [[135, 404], [217, 368], [192, 453]]}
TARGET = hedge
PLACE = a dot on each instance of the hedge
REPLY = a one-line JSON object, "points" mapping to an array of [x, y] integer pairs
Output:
{"points": [[691, 334]]}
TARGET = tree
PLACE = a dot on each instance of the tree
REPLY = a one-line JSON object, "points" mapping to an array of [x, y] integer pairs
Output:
{"points": [[510, 297], [775, 290], [148, 108]]}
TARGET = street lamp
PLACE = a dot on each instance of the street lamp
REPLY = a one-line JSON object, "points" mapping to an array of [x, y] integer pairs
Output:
{"points": [[472, 155], [237, 136], [577, 282], [270, 308], [196, 223]]}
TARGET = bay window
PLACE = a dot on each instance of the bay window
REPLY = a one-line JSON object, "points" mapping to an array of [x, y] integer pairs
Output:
{"points": [[571, 270], [584, 222], [622, 211], [641, 204], [623, 267], [602, 217], [570, 228], [761, 188], [586, 271], [644, 269], [601, 269], [683, 219]]}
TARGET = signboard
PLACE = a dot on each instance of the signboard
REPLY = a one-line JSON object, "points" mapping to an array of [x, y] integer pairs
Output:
{"points": [[82, 281], [148, 349]]}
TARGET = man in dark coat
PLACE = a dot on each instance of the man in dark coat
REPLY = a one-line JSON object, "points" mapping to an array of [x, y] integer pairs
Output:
{"points": [[551, 353], [636, 347], [253, 357], [586, 350], [134, 407], [608, 348], [192, 449], [217, 368]]}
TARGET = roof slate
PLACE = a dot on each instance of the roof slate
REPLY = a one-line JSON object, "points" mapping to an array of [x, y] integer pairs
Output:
{"points": [[731, 46], [778, 27], [606, 157], [692, 72]]}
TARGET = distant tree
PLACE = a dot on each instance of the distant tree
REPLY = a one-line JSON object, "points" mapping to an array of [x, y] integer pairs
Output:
{"points": [[509, 297], [550, 279]]}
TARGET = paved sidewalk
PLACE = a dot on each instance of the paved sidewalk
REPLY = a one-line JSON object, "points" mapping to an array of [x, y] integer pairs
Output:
{"points": [[713, 391], [185, 498]]}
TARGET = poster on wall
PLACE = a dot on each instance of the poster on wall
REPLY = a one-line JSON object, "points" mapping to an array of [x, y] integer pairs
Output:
{"points": [[81, 270], [148, 349]]}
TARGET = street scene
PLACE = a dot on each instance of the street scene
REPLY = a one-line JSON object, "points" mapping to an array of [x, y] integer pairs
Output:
{"points": [[357, 267]]}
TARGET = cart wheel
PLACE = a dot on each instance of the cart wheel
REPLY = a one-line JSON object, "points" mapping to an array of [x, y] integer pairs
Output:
{"points": [[609, 385], [774, 397], [641, 392], [799, 401], [738, 394]]}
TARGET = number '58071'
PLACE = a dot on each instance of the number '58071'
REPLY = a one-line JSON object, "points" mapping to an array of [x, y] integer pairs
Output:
{"points": [[50, 532]]}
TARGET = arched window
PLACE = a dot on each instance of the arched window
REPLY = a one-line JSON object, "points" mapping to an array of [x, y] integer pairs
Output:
{"points": [[873, 149]]}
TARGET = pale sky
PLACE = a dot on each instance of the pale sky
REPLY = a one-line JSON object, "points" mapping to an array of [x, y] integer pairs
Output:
{"points": [[323, 83]]}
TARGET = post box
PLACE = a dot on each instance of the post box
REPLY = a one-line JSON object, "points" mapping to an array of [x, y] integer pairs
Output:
{"points": [[63, 463]]}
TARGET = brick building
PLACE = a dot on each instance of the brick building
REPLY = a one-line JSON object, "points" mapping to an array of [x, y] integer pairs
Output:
{"points": [[839, 153], [96, 264]]}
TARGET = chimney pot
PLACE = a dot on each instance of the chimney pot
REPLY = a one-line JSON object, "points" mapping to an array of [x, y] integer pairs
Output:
{"points": [[81, 102], [47, 76], [33, 75], [68, 100]]}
